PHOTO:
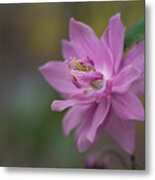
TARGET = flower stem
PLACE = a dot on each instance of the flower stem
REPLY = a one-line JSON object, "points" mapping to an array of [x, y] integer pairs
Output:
{"points": [[133, 164]]}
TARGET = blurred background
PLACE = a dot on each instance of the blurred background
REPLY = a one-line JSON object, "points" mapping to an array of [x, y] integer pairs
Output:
{"points": [[30, 35]]}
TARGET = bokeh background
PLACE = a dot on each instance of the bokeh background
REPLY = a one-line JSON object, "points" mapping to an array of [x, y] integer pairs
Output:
{"points": [[30, 35]]}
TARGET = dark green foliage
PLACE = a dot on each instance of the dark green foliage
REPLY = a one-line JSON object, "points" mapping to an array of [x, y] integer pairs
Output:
{"points": [[135, 34]]}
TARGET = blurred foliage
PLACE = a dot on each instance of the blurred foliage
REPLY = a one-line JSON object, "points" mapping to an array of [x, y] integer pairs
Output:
{"points": [[135, 33], [30, 133]]}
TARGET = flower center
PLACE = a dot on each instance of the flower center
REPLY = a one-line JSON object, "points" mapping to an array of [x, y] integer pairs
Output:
{"points": [[84, 74], [81, 67], [97, 84]]}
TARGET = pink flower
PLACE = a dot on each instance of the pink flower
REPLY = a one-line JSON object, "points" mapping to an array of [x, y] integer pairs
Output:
{"points": [[97, 161], [98, 84]]}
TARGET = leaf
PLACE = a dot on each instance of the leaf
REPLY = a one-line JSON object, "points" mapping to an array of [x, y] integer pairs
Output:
{"points": [[135, 34]]}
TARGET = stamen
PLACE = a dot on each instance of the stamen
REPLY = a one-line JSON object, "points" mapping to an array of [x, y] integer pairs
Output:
{"points": [[80, 66], [84, 74], [97, 84]]}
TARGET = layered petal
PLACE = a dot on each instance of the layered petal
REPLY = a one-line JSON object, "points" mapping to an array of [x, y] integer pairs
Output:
{"points": [[105, 36], [107, 64], [85, 78], [86, 42], [114, 37], [98, 119], [123, 132], [74, 116], [60, 105], [138, 87], [124, 79], [68, 50], [82, 141], [128, 106], [56, 74], [135, 57]]}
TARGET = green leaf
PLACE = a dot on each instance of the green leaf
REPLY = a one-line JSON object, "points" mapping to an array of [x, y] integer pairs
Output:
{"points": [[135, 34]]}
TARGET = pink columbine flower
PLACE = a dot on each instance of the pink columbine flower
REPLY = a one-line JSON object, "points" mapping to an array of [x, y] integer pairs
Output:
{"points": [[98, 84], [97, 161]]}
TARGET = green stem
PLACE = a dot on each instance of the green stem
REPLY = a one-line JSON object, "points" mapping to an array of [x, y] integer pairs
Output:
{"points": [[133, 162]]}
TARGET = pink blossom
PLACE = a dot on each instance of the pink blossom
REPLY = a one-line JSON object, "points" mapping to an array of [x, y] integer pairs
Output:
{"points": [[97, 161], [98, 84]]}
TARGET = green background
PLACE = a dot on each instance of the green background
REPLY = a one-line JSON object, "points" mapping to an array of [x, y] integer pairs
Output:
{"points": [[31, 34]]}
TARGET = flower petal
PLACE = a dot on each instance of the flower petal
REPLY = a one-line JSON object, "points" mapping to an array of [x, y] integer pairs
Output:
{"points": [[85, 78], [68, 50], [82, 141], [105, 36], [99, 117], [123, 80], [73, 117], [123, 132], [138, 87], [108, 63], [114, 36], [56, 75], [135, 57], [60, 105], [127, 106], [85, 41]]}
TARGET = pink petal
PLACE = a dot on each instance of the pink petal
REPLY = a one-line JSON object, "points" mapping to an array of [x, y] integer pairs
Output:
{"points": [[83, 144], [114, 36], [56, 75], [85, 78], [99, 117], [127, 106], [82, 141], [85, 41], [108, 63], [68, 50], [105, 36], [73, 117], [125, 78], [123, 132], [135, 57], [60, 105], [138, 87]]}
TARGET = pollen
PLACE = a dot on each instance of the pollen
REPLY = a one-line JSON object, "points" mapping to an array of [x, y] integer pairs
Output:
{"points": [[81, 67], [98, 84]]}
